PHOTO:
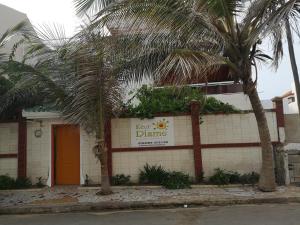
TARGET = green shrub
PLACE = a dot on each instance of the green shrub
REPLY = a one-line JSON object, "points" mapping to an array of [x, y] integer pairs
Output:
{"points": [[171, 100], [120, 179], [22, 182], [152, 175], [40, 182], [249, 178], [159, 176], [6, 182], [234, 177], [212, 105], [220, 177], [177, 180]]}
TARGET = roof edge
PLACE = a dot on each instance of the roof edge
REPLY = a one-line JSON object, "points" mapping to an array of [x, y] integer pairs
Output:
{"points": [[12, 9], [41, 115]]}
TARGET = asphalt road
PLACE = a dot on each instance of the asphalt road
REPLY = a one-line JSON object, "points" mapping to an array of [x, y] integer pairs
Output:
{"points": [[230, 215]]}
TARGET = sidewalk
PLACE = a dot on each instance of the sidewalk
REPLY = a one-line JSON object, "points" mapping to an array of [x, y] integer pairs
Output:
{"points": [[75, 199]]}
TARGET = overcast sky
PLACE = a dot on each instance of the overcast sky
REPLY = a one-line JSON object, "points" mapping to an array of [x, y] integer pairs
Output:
{"points": [[41, 12]]}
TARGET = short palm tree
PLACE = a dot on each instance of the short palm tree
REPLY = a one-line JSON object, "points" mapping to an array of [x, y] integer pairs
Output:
{"points": [[189, 38], [74, 75]]}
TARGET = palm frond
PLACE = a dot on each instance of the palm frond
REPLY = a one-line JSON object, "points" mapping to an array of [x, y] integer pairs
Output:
{"points": [[184, 65], [90, 6], [220, 8], [8, 35], [96, 87], [268, 23], [11, 32], [158, 17]]}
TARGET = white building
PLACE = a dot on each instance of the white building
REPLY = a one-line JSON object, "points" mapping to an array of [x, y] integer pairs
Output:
{"points": [[290, 101]]}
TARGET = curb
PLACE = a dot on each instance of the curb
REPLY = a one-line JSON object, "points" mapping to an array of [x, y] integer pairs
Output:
{"points": [[131, 186], [20, 190], [159, 187], [111, 206]]}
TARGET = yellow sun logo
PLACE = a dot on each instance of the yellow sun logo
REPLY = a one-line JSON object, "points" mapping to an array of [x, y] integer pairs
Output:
{"points": [[162, 124]]}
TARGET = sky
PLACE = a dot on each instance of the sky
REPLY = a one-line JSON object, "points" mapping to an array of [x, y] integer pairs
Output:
{"points": [[40, 12]]}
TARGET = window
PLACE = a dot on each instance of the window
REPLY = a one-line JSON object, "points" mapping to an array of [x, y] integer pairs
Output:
{"points": [[291, 99]]}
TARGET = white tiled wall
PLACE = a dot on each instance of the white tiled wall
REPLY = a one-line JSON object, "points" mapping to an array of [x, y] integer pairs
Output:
{"points": [[88, 163], [120, 133], [9, 167], [8, 138], [39, 150], [234, 128], [130, 163], [183, 130], [9, 145], [215, 129], [243, 160]]}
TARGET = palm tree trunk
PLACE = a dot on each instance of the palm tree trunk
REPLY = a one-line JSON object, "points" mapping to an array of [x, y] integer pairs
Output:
{"points": [[293, 61], [103, 150], [267, 174], [105, 180]]}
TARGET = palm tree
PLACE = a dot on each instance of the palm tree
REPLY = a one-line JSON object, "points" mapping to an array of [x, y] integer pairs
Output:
{"points": [[97, 93], [74, 75], [289, 36], [189, 38]]}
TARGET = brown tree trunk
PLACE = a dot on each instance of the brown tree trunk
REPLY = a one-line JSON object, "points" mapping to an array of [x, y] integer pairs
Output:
{"points": [[105, 180], [103, 150], [267, 174], [293, 61]]}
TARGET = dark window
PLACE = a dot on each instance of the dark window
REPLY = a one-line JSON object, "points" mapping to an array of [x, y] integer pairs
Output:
{"points": [[291, 99]]}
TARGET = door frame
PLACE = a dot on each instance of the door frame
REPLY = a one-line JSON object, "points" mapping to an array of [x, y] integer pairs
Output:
{"points": [[53, 126]]}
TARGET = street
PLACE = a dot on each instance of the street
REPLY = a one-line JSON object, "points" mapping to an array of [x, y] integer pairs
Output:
{"points": [[280, 214]]}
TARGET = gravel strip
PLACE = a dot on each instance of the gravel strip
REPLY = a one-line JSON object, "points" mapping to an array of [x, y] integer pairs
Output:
{"points": [[136, 194]]}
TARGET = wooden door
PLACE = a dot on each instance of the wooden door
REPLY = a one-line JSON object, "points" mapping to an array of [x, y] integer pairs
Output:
{"points": [[67, 154]]}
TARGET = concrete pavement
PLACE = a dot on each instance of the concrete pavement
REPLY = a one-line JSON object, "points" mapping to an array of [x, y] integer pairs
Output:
{"points": [[270, 214], [77, 199]]}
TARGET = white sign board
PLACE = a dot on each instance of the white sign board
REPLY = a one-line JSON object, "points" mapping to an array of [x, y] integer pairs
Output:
{"points": [[152, 132]]}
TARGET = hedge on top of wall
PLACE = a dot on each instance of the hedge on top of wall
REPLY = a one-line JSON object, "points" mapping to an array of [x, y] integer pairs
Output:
{"points": [[172, 100]]}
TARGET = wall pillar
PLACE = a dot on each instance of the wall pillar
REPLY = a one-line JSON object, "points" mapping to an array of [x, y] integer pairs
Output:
{"points": [[278, 105], [195, 114], [22, 148], [281, 156]]}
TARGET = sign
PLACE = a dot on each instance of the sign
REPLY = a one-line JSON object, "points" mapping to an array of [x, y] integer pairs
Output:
{"points": [[152, 132]]}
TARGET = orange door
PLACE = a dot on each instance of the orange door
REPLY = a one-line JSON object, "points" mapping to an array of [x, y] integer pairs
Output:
{"points": [[67, 154]]}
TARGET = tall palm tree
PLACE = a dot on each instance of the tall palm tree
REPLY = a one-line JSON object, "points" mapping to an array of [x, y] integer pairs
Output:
{"points": [[290, 42], [77, 77], [189, 38], [289, 36]]}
